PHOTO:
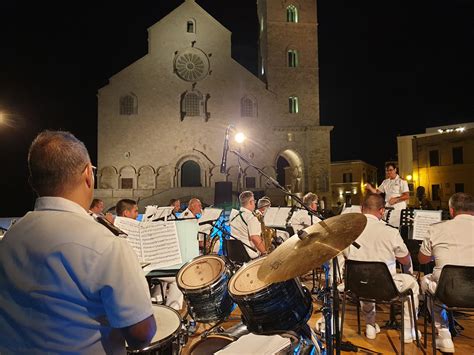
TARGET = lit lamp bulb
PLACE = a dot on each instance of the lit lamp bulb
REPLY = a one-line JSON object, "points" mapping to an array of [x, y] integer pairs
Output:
{"points": [[240, 137], [409, 177]]}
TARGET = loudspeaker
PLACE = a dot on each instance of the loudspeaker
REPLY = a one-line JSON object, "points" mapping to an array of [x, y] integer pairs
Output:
{"points": [[223, 193]]}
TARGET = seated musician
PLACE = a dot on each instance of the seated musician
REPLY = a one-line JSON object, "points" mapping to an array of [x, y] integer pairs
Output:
{"points": [[381, 242], [263, 205], [174, 298], [449, 242], [68, 285], [176, 204], [97, 209], [302, 218], [245, 225], [194, 209], [127, 208]]}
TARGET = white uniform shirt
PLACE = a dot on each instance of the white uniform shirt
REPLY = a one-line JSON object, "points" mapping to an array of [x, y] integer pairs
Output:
{"points": [[450, 242], [394, 188], [65, 282], [187, 214], [302, 219], [378, 242], [243, 226]]}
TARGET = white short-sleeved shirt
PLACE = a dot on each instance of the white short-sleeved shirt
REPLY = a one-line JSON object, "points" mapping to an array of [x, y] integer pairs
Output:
{"points": [[378, 242], [244, 225], [66, 283], [394, 188], [302, 219], [450, 242]]}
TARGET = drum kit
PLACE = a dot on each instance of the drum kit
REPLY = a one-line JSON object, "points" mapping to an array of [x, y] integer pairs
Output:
{"points": [[267, 290]]}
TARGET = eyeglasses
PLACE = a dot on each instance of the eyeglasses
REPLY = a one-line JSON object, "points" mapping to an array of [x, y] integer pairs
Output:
{"points": [[94, 170]]}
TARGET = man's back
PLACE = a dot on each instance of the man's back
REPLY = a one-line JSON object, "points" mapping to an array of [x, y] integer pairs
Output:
{"points": [[378, 242], [66, 283], [451, 242]]}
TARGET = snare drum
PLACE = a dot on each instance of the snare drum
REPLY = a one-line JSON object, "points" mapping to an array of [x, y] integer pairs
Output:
{"points": [[203, 282], [269, 308], [166, 339]]}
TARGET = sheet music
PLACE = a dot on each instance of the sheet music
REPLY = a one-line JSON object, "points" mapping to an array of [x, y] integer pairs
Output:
{"points": [[276, 216], [422, 220], [154, 242], [149, 212], [132, 228], [209, 215]]}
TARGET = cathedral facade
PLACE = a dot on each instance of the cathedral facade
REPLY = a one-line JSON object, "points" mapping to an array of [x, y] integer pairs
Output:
{"points": [[162, 120]]}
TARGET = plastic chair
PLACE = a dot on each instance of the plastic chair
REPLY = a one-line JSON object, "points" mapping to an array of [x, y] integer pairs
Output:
{"points": [[454, 292], [235, 251], [371, 281]]}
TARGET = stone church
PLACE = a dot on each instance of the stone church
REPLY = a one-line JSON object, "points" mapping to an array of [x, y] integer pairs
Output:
{"points": [[162, 120]]}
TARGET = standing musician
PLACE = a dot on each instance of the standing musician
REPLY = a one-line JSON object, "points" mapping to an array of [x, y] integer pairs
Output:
{"points": [[396, 193], [302, 218], [245, 225], [67, 284]]}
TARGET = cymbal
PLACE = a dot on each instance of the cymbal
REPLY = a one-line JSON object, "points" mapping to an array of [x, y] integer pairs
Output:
{"points": [[320, 243]]}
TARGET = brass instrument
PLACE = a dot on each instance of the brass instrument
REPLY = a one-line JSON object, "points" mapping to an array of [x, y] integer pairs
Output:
{"points": [[268, 234]]}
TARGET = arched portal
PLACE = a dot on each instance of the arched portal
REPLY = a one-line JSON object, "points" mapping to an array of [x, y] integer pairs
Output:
{"points": [[190, 174], [289, 166]]}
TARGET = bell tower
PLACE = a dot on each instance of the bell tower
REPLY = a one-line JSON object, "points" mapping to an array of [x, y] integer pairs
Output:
{"points": [[288, 58]]}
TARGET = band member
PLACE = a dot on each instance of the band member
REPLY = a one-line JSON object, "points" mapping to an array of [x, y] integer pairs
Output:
{"points": [[263, 205], [97, 209], [176, 204], [396, 193], [245, 226], [379, 242], [302, 218], [67, 283], [127, 208], [449, 242], [194, 209]]}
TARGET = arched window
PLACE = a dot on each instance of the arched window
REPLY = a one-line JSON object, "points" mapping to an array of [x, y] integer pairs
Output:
{"points": [[292, 58], [129, 104], [293, 104], [190, 26], [291, 14], [248, 107], [190, 174], [192, 103]]}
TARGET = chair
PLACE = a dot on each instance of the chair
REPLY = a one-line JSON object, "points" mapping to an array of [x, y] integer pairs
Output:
{"points": [[153, 279], [454, 292], [371, 281], [234, 249]]}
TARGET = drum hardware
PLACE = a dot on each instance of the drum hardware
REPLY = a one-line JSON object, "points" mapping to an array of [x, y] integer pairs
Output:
{"points": [[312, 247]]}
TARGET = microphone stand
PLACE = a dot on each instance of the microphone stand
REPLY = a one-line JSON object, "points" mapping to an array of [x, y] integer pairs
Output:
{"points": [[334, 308], [276, 183]]}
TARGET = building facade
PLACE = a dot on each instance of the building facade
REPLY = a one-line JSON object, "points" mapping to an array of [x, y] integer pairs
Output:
{"points": [[348, 179], [441, 161], [162, 120]]}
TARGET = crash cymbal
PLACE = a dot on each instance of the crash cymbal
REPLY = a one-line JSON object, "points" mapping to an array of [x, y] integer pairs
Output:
{"points": [[320, 243]]}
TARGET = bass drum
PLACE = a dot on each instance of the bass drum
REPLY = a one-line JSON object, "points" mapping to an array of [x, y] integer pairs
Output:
{"points": [[168, 329], [203, 282], [269, 308]]}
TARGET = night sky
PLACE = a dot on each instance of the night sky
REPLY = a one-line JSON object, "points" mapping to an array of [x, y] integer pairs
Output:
{"points": [[386, 68]]}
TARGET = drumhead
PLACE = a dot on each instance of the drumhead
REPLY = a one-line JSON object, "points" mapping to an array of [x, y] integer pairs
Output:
{"points": [[200, 272], [168, 323], [245, 280], [211, 344]]}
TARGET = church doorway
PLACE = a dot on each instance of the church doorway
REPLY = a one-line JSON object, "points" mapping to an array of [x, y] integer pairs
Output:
{"points": [[282, 168], [190, 174], [289, 170]]}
